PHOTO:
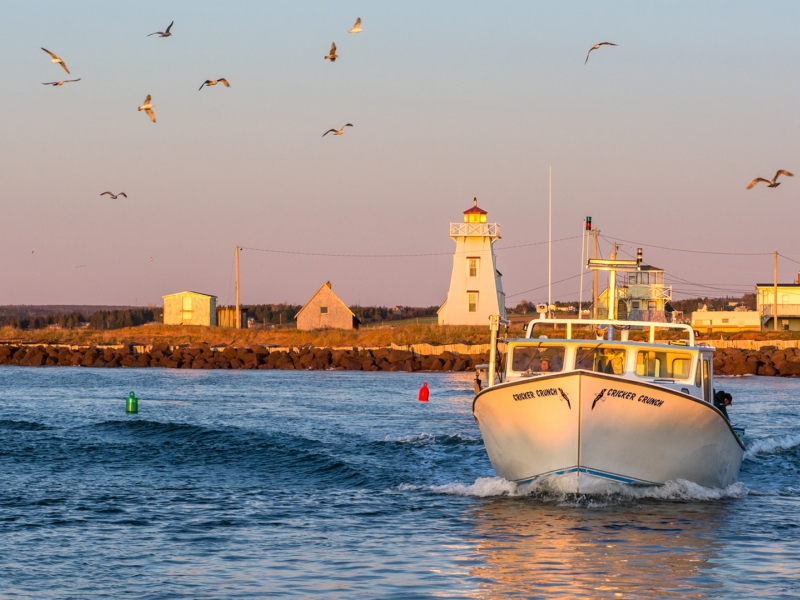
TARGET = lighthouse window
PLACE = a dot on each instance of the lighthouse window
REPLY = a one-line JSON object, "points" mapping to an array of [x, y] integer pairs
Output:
{"points": [[472, 301], [472, 266]]}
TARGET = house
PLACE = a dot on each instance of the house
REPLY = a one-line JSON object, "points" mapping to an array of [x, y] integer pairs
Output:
{"points": [[710, 321], [476, 287], [325, 310], [190, 308], [788, 305]]}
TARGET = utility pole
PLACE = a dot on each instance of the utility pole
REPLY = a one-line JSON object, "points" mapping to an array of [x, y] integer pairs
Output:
{"points": [[594, 284], [549, 242], [775, 292], [612, 288], [238, 310]]}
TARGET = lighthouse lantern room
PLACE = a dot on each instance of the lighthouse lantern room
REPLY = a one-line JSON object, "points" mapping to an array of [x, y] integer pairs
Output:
{"points": [[476, 288]]}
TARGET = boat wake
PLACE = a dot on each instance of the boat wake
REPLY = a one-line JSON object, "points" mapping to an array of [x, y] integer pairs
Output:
{"points": [[548, 489], [772, 445]]}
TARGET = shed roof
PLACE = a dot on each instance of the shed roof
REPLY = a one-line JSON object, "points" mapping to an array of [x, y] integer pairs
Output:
{"points": [[327, 284], [189, 292]]}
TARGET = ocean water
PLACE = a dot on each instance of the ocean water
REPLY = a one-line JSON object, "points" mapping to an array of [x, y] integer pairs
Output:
{"points": [[232, 484]]}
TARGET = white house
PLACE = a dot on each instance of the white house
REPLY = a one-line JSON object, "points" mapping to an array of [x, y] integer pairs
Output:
{"points": [[476, 289], [788, 305]]}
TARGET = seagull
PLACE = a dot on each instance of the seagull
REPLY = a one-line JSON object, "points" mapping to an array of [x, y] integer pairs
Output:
{"points": [[332, 56], [595, 47], [56, 83], [80, 266], [337, 131], [163, 33], [210, 82], [148, 108], [773, 183], [357, 27], [114, 196], [57, 60]]}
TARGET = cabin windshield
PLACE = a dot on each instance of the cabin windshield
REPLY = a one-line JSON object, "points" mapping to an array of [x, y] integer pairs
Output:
{"points": [[538, 359], [663, 364], [601, 359]]}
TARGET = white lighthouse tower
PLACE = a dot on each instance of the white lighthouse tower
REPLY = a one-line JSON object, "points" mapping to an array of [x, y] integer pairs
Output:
{"points": [[476, 290]]}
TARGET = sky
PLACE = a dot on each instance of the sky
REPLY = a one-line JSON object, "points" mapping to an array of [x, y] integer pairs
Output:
{"points": [[656, 139]]}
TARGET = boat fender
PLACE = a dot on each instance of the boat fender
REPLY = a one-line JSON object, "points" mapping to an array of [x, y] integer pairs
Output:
{"points": [[423, 392]]}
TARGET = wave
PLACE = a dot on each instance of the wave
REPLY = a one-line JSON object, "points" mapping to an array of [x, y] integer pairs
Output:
{"points": [[772, 445], [429, 438], [547, 489], [10, 425]]}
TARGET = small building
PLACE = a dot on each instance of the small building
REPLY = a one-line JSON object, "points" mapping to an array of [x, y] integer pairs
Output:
{"points": [[476, 287], [709, 321], [788, 305], [190, 308], [641, 296], [226, 316], [326, 310]]}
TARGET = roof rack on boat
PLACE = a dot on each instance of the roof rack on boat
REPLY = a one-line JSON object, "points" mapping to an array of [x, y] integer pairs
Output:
{"points": [[611, 325]]}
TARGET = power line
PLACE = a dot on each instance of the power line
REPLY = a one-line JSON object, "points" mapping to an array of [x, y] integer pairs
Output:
{"points": [[542, 286], [691, 251], [394, 255]]}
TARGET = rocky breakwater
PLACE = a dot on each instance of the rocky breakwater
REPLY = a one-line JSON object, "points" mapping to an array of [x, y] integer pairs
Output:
{"points": [[768, 361], [250, 357]]}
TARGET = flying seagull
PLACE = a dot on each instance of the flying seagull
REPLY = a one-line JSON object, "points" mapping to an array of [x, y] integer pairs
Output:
{"points": [[337, 131], [57, 60], [332, 56], [357, 27], [770, 182], [148, 108], [163, 33], [210, 82], [595, 47], [114, 196], [56, 83]]}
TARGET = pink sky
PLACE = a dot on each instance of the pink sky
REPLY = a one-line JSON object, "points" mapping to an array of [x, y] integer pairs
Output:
{"points": [[655, 139]]}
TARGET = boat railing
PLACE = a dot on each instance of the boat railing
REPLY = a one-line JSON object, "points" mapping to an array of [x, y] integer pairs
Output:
{"points": [[611, 325]]}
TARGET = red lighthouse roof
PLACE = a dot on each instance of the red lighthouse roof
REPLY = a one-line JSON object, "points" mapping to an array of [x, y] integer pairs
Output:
{"points": [[475, 210], [475, 214]]}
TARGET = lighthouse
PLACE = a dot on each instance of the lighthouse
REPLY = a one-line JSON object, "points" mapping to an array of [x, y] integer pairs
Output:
{"points": [[476, 288]]}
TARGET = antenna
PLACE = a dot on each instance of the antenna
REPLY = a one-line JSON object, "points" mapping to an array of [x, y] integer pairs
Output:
{"points": [[550, 244]]}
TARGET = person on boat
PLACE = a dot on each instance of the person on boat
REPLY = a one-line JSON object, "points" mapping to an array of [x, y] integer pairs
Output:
{"points": [[722, 400], [544, 365]]}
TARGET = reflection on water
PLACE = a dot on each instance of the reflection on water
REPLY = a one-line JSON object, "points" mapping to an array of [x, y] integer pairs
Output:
{"points": [[530, 548]]}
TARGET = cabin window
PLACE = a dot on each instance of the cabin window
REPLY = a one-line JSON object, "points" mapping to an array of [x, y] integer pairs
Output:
{"points": [[663, 365], [707, 380], [472, 302], [698, 376], [323, 310], [538, 359], [473, 265], [601, 360]]}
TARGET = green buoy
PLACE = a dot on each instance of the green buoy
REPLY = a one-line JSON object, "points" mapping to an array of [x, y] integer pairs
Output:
{"points": [[132, 404]]}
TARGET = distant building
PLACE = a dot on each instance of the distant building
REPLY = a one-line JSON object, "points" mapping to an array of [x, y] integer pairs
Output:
{"points": [[709, 321], [326, 311], [788, 305], [641, 296], [476, 288], [190, 308]]}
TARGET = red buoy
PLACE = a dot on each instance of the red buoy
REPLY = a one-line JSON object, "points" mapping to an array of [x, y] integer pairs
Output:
{"points": [[423, 392]]}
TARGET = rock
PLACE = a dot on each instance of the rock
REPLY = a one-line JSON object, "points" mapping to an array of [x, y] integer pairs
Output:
{"points": [[460, 365], [437, 364]]}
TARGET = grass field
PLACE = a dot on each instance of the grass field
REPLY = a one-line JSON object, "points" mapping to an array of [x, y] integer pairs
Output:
{"points": [[154, 333]]}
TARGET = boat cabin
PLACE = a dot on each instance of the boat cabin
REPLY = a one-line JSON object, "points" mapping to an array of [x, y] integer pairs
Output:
{"points": [[680, 365]]}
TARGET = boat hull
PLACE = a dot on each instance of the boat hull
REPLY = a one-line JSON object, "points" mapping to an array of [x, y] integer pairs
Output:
{"points": [[584, 427]]}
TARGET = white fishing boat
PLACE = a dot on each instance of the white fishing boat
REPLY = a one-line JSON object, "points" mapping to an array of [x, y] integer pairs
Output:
{"points": [[585, 412]]}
